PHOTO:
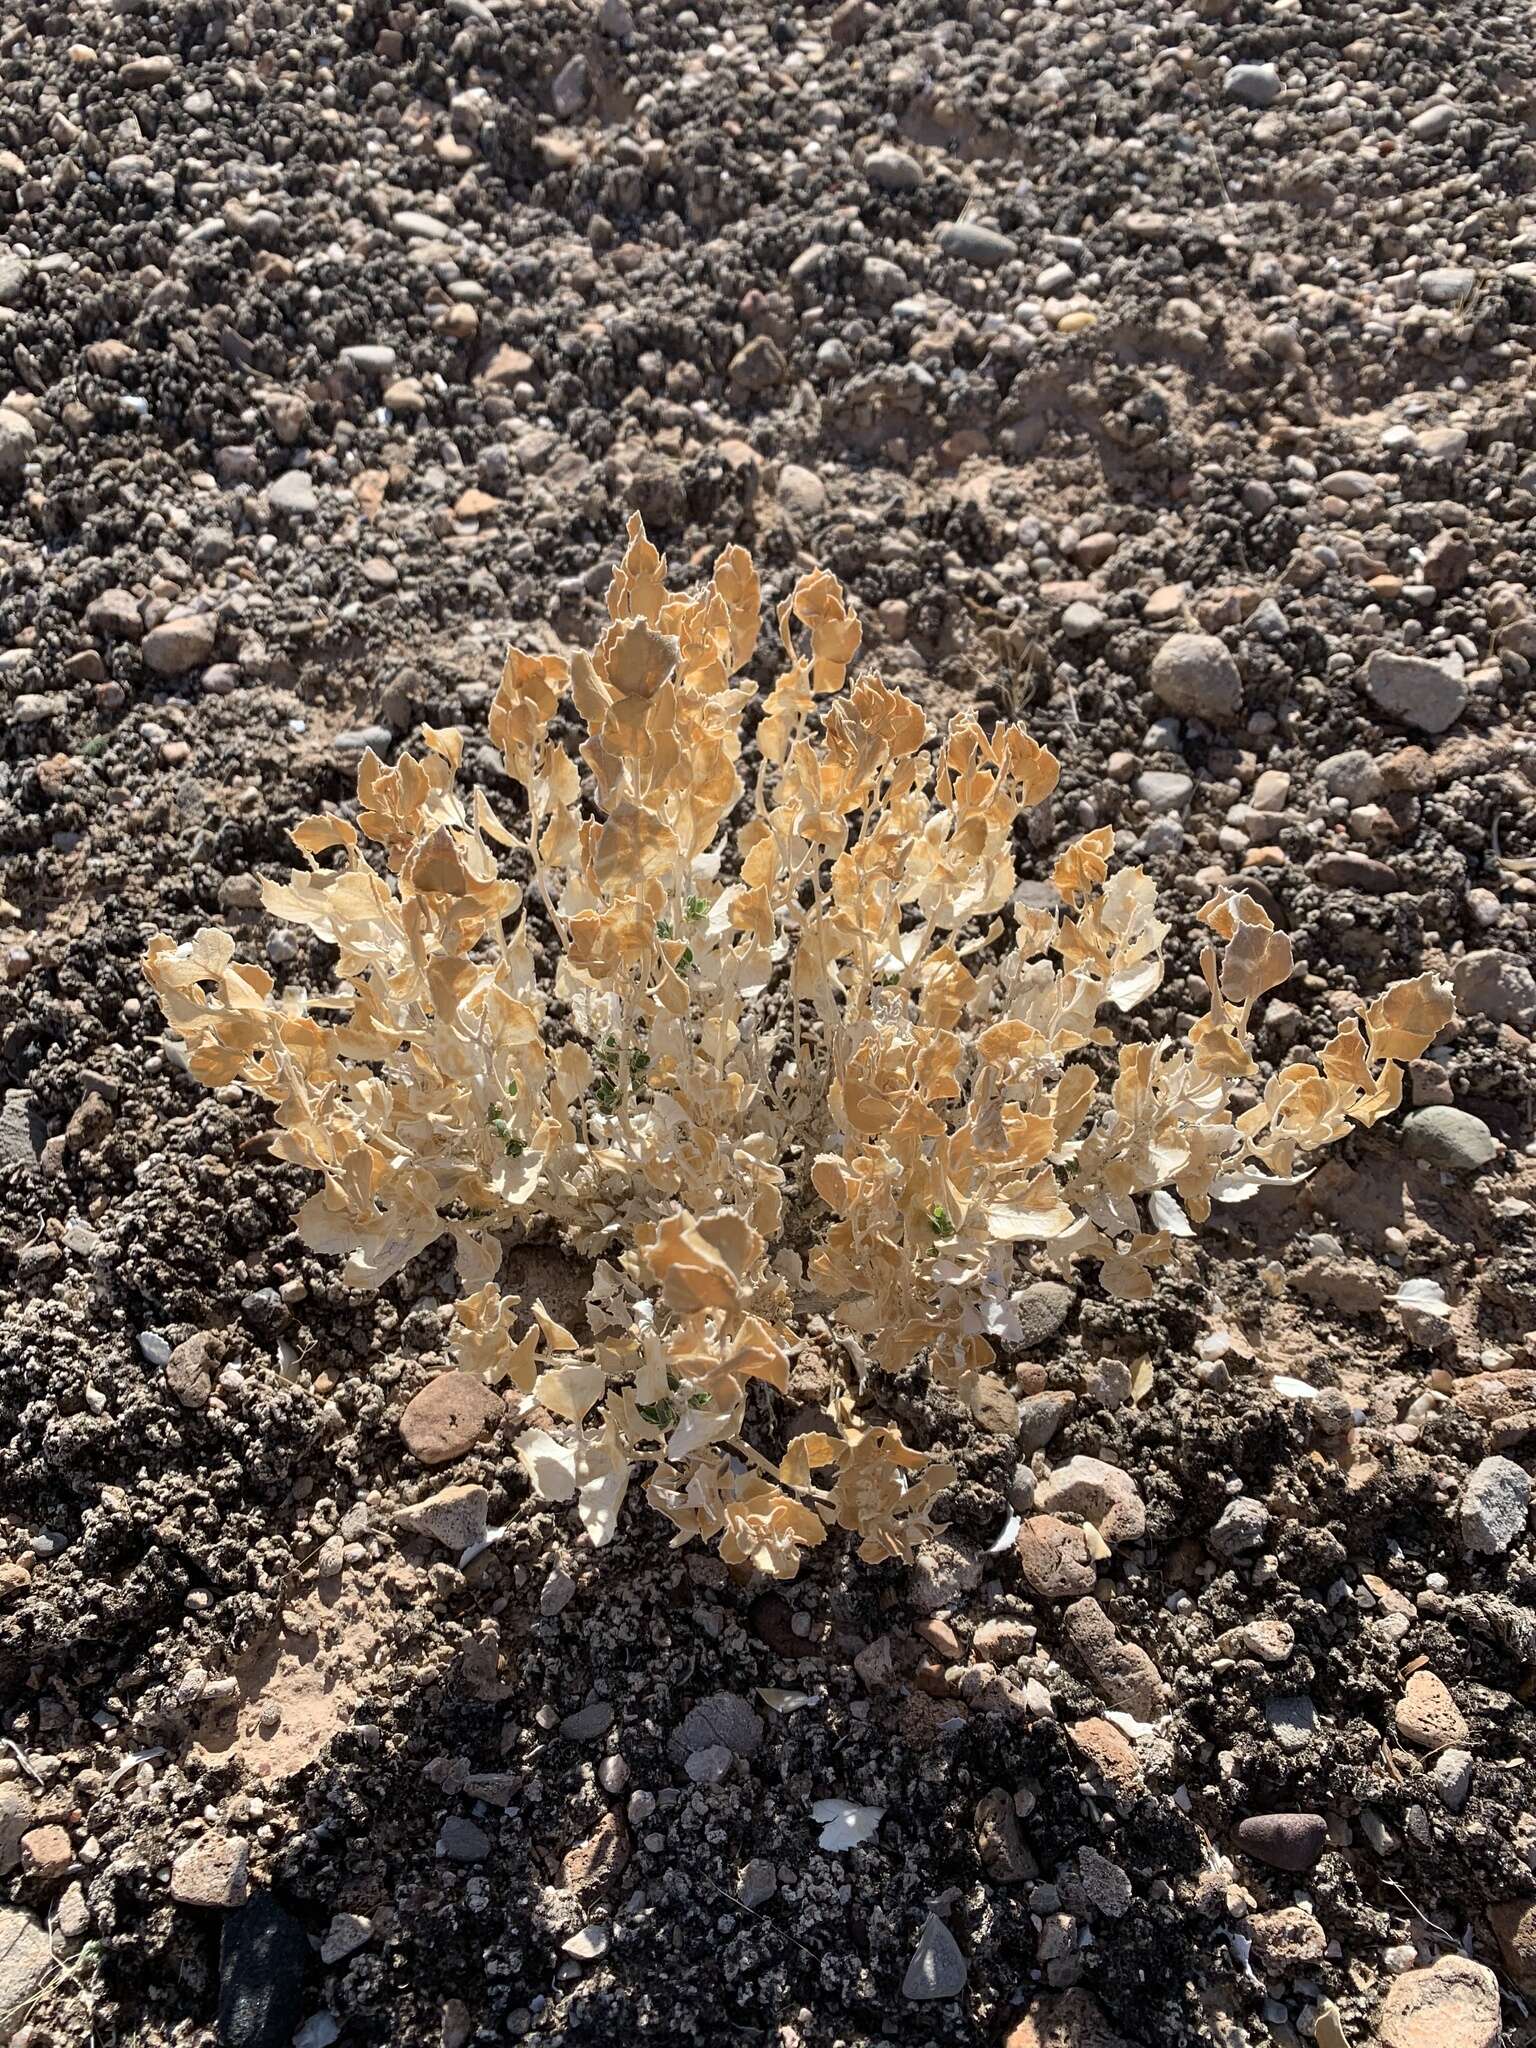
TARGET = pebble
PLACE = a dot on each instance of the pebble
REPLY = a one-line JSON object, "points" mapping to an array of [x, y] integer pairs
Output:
{"points": [[1287, 1940], [1447, 287], [893, 170], [1428, 695], [293, 493], [1252, 85], [1434, 123], [937, 1968], [1098, 1493], [983, 248], [214, 1872], [569, 91], [1284, 1841], [1193, 674], [1043, 1307], [369, 360], [1452, 1138], [1242, 1525], [47, 1853], [347, 1933], [177, 646], [1164, 789], [1081, 620], [455, 1517], [449, 1416], [1452, 2004], [1053, 1556], [18, 442], [757, 1883], [1451, 1775], [801, 492], [1495, 1506], [1427, 1716], [187, 1373], [1497, 985]]}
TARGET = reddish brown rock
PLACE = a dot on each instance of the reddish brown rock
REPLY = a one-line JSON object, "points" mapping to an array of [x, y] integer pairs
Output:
{"points": [[1053, 1556], [449, 1416]]}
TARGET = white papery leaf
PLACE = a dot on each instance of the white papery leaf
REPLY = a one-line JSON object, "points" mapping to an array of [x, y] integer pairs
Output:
{"points": [[845, 1825]]}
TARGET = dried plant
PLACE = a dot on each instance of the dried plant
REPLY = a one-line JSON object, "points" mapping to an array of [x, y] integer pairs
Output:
{"points": [[782, 1046]]}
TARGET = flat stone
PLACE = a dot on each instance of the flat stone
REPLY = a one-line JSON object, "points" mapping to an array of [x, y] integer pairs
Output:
{"points": [[1108, 1752], [449, 1416], [1252, 85], [937, 1968], [1452, 1138], [424, 227], [17, 1814], [1064, 2019], [455, 1517], [759, 365], [1053, 1556], [600, 1858], [188, 1373], [1351, 870], [1292, 1721], [1284, 1841], [293, 493], [263, 1957], [26, 1964], [1098, 1493], [47, 1853], [983, 248], [1427, 1716], [724, 1718], [1193, 674], [115, 614], [1164, 789], [370, 359], [588, 1723], [347, 1933], [215, 1871], [1495, 1506], [757, 1883], [1000, 1840], [1452, 2004], [1514, 1927], [1427, 695], [1446, 287], [1122, 1673], [177, 646], [460, 1840]]}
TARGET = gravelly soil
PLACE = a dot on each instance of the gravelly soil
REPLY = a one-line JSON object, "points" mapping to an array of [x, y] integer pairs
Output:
{"points": [[336, 345]]}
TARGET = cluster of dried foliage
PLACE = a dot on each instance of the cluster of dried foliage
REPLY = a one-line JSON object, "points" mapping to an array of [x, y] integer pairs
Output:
{"points": [[785, 1048]]}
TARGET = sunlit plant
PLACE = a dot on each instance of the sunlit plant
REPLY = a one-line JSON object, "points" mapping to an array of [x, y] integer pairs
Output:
{"points": [[770, 1032]]}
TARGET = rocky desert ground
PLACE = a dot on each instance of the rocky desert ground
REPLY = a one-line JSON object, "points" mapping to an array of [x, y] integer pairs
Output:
{"points": [[1159, 374]]}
